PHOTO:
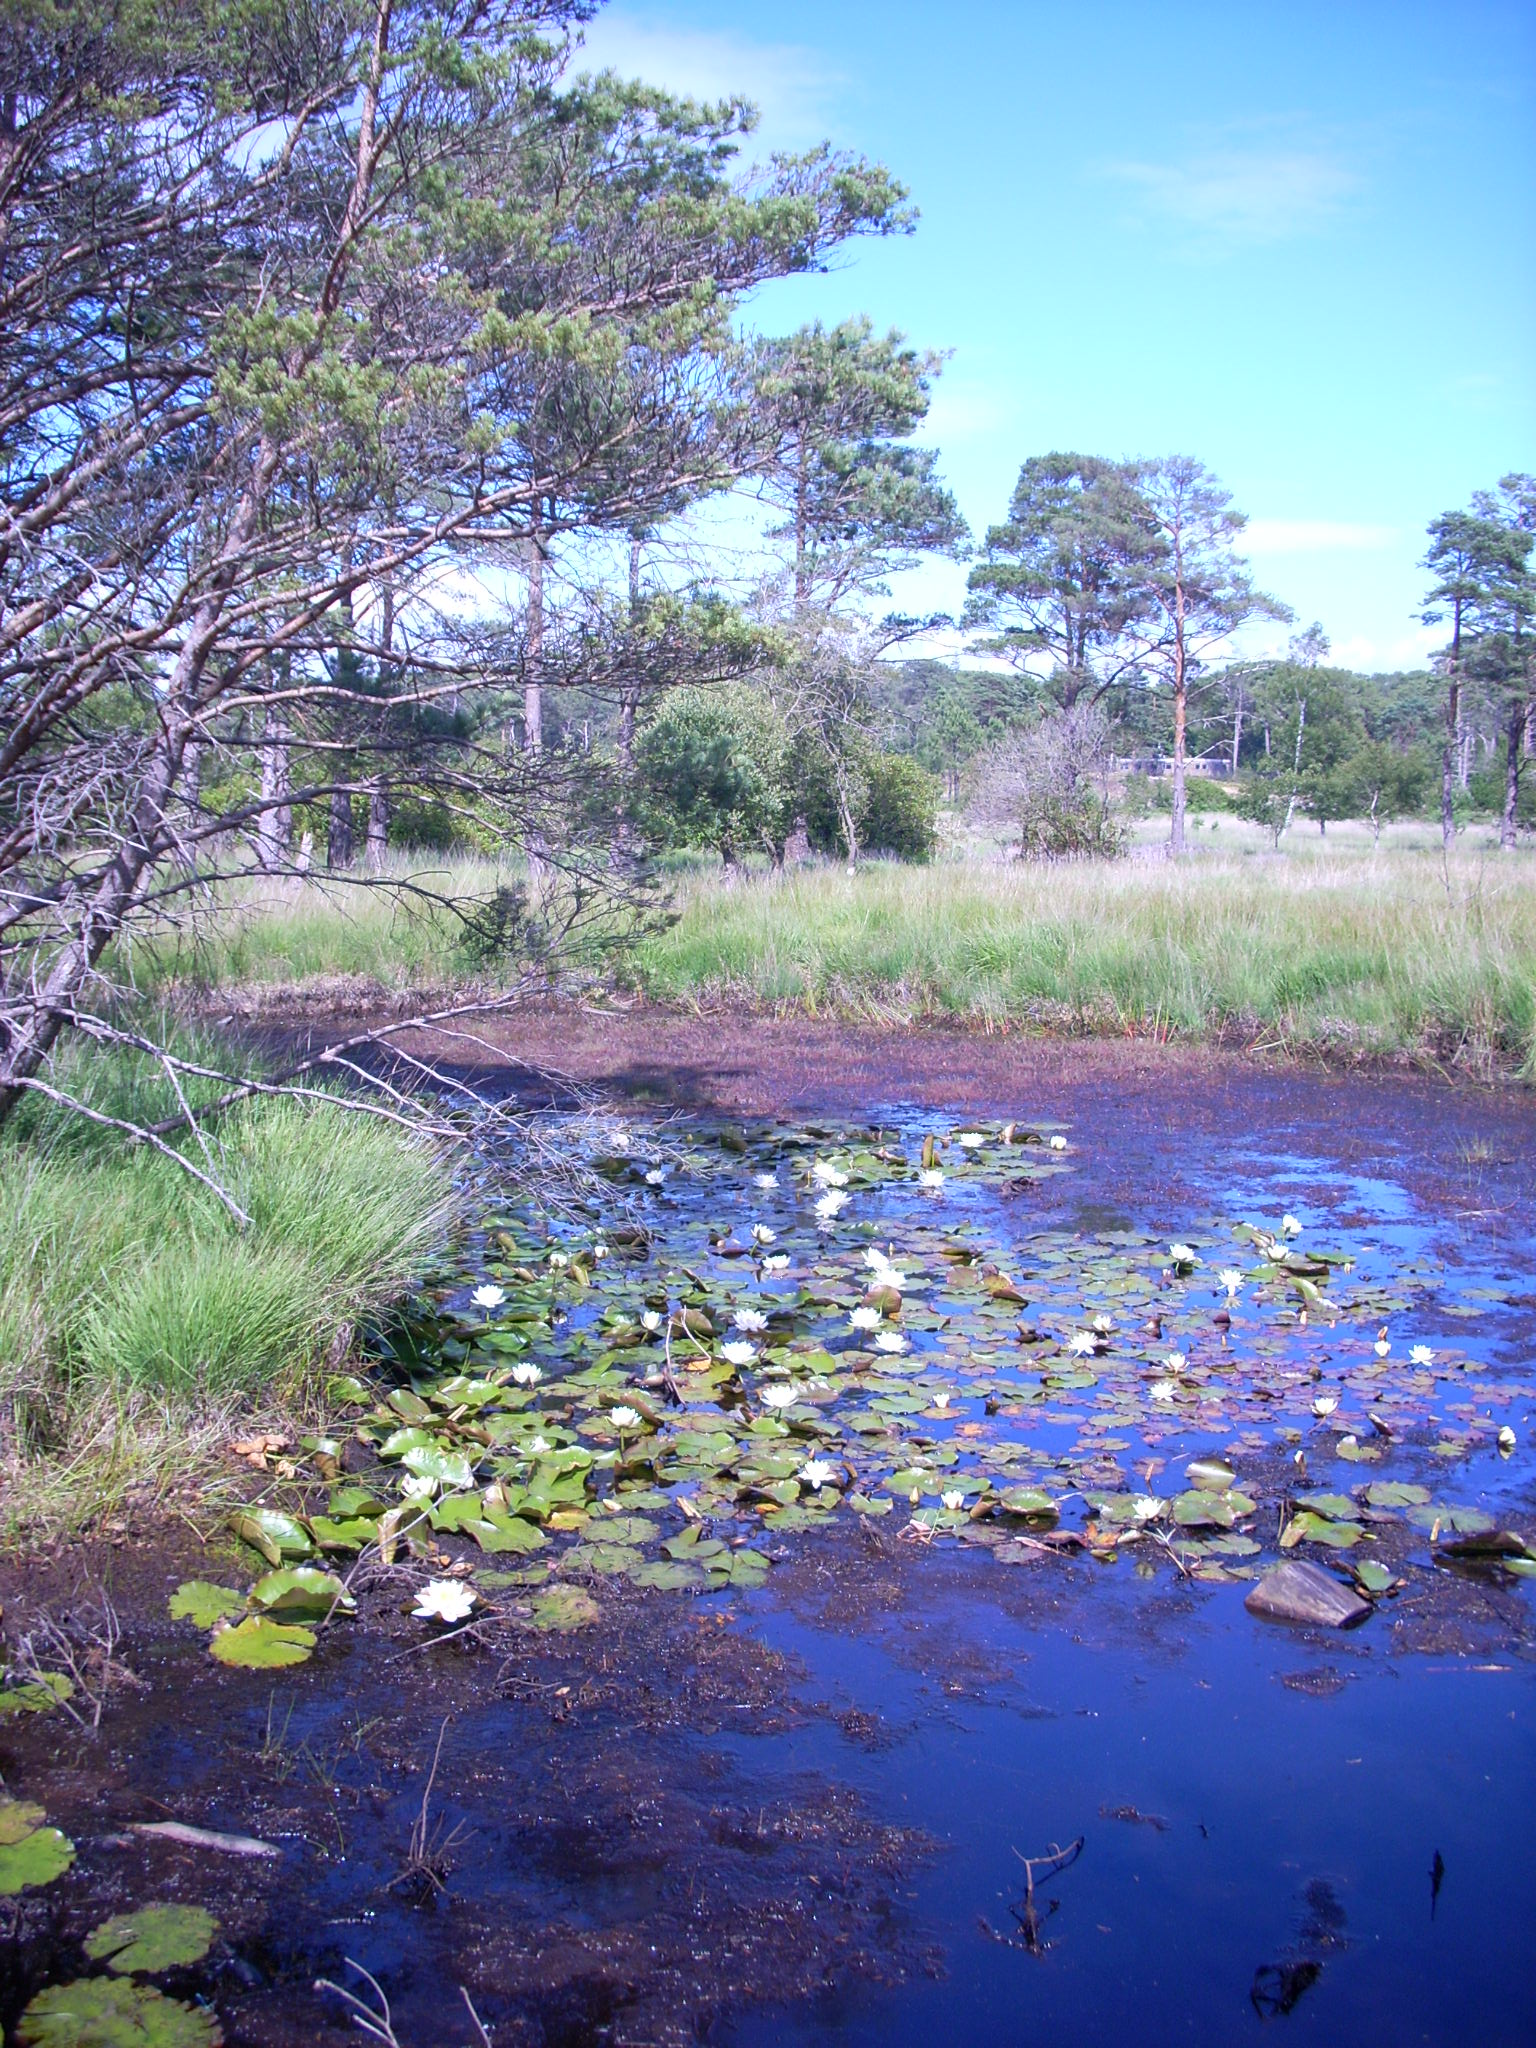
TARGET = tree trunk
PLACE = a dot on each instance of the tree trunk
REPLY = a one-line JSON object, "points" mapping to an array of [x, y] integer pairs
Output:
{"points": [[274, 825], [97, 917], [1237, 731], [537, 847], [533, 681], [1452, 733], [622, 851], [1508, 826], [338, 844], [1180, 702], [1290, 809], [376, 850]]}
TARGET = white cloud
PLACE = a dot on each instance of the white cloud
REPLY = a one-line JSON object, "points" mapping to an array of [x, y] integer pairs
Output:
{"points": [[793, 88], [1242, 194], [1316, 536]]}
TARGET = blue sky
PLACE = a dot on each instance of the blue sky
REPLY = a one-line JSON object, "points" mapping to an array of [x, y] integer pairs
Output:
{"points": [[1297, 241]]}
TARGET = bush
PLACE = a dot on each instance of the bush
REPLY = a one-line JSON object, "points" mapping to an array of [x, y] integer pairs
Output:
{"points": [[712, 766], [1039, 782], [901, 807]]}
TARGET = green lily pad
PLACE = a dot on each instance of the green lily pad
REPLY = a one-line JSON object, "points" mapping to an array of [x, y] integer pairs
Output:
{"points": [[154, 1938], [1374, 1579], [273, 1533], [565, 1608], [36, 1695], [500, 1534], [1309, 1528], [1197, 1510], [1394, 1493], [665, 1576], [198, 1601], [35, 1859], [1031, 1503], [259, 1644], [18, 1819], [448, 1468], [302, 1590], [108, 2012], [1210, 1475]]}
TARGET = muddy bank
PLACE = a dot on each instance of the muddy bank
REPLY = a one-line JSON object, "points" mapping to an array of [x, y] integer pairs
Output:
{"points": [[1465, 1145]]}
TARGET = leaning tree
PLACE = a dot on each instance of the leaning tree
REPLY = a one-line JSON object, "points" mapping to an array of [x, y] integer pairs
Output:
{"points": [[307, 314]]}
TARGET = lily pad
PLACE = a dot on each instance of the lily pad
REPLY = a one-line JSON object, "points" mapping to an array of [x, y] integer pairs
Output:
{"points": [[154, 1938], [1309, 1528], [260, 1644], [1029, 1502], [564, 1608], [302, 1590], [36, 1695], [198, 1601], [1210, 1475], [273, 1533], [107, 2012], [34, 1859]]}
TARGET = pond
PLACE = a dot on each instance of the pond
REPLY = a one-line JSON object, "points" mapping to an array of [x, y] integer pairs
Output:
{"points": [[858, 1515]]}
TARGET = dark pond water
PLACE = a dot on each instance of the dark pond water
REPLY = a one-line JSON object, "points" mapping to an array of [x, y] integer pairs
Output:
{"points": [[788, 1801]]}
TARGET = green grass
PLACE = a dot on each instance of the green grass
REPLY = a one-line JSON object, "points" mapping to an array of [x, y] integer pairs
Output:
{"points": [[1331, 944], [131, 1303], [1328, 948]]}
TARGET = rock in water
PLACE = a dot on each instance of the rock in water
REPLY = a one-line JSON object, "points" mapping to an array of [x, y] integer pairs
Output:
{"points": [[1295, 1591]]}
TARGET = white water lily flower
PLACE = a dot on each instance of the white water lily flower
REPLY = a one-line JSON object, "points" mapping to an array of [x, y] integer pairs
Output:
{"points": [[1162, 1390], [1103, 1325], [445, 1600], [1146, 1507], [488, 1296], [931, 1178], [1381, 1347], [1057, 1142], [953, 1500], [817, 1472], [1422, 1354], [776, 1262], [1183, 1255], [619, 1139], [623, 1417], [778, 1397], [864, 1319], [1082, 1344], [417, 1486], [749, 1319], [830, 1204], [526, 1374], [890, 1340], [1290, 1226], [738, 1354], [654, 1176], [1232, 1280], [828, 1175], [1507, 1439], [761, 1234], [650, 1319], [970, 1139], [765, 1180], [941, 1401], [1176, 1361], [599, 1251], [558, 1260], [1324, 1404]]}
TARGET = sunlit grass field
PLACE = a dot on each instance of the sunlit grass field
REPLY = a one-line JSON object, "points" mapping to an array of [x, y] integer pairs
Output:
{"points": [[135, 1313], [1332, 943]]}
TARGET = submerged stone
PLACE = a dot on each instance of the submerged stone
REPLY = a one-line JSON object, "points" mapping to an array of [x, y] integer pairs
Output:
{"points": [[1305, 1593]]}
